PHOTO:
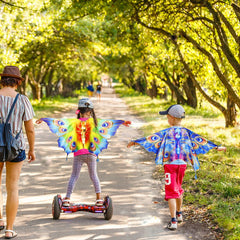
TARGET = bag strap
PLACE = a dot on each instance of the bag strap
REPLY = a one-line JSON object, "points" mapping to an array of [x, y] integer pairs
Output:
{"points": [[10, 112]]}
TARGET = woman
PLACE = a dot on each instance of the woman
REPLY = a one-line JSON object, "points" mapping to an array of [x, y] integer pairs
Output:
{"points": [[23, 112]]}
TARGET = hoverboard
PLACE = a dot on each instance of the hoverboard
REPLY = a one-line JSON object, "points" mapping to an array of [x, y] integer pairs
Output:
{"points": [[106, 208]]}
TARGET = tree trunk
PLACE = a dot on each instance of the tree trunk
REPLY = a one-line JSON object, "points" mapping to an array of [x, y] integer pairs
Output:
{"points": [[231, 113], [49, 86], [36, 91], [140, 85], [174, 89], [152, 92], [190, 91]]}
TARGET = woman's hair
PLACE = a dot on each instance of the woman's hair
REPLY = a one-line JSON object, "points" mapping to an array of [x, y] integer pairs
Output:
{"points": [[10, 81], [83, 110]]}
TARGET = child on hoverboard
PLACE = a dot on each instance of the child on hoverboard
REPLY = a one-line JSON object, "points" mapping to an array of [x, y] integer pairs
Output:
{"points": [[86, 138]]}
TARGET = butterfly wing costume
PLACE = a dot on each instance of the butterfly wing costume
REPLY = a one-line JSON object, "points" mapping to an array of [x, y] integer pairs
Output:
{"points": [[176, 143], [75, 134]]}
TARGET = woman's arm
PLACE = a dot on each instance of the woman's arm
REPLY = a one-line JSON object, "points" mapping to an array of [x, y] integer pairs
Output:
{"points": [[29, 127]]}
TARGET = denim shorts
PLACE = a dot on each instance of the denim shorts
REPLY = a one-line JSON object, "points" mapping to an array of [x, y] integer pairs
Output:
{"points": [[21, 156]]}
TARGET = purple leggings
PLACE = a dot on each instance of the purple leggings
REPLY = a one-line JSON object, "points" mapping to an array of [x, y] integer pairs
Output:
{"points": [[78, 161]]}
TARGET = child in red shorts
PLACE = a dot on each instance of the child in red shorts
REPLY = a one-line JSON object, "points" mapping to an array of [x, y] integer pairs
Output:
{"points": [[175, 147]]}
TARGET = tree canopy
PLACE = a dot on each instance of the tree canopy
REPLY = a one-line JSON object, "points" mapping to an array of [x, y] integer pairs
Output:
{"points": [[188, 48]]}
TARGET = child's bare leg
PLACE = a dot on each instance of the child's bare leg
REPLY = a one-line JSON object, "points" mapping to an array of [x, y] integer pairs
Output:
{"points": [[172, 207], [179, 202], [98, 196], [99, 201]]}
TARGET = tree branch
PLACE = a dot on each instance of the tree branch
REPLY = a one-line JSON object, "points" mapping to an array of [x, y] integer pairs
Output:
{"points": [[230, 28], [197, 85], [236, 9], [215, 66], [10, 4], [223, 39]]}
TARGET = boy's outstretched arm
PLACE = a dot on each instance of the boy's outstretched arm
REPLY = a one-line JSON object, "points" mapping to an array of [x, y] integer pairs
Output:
{"points": [[126, 123], [221, 149], [130, 144]]}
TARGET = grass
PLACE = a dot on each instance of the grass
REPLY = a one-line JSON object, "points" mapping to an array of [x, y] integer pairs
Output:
{"points": [[218, 185], [50, 107]]}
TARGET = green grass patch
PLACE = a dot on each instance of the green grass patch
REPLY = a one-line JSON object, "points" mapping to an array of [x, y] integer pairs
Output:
{"points": [[50, 107], [217, 187]]}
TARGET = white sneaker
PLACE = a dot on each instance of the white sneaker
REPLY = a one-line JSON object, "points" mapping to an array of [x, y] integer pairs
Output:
{"points": [[179, 218], [66, 202], [172, 225]]}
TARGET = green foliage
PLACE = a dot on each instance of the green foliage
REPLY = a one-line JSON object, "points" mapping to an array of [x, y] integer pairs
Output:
{"points": [[144, 44], [49, 106], [52, 106]]}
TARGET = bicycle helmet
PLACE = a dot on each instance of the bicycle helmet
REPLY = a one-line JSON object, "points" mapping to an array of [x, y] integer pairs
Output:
{"points": [[85, 102]]}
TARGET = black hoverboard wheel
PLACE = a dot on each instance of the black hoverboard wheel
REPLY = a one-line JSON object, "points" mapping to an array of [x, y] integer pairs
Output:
{"points": [[109, 208], [56, 210]]}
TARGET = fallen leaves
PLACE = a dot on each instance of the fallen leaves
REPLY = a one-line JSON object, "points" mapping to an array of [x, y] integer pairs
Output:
{"points": [[202, 215]]}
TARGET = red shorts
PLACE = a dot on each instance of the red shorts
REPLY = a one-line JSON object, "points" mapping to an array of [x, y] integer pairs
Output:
{"points": [[173, 180]]}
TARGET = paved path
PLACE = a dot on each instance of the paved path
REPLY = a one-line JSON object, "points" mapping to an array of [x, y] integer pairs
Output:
{"points": [[125, 175]]}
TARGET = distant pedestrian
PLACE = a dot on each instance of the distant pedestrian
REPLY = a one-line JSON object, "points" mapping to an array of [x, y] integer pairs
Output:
{"points": [[99, 89], [175, 147], [90, 89], [110, 82], [22, 114]]}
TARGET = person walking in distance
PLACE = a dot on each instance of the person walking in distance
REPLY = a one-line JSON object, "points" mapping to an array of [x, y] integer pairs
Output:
{"points": [[99, 89]]}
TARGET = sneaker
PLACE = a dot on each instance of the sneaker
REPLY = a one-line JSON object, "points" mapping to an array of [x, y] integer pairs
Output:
{"points": [[172, 226], [179, 218], [66, 202], [99, 202]]}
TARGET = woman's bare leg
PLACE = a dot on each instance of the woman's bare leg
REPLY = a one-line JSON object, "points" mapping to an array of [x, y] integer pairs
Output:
{"points": [[1, 197], [13, 171]]}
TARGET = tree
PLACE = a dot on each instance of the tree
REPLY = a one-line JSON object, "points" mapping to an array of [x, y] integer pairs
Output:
{"points": [[202, 20]]}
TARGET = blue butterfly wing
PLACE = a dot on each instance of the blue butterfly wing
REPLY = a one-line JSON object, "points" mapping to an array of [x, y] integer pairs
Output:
{"points": [[96, 147], [153, 142], [108, 128], [200, 144], [104, 130], [65, 129]]}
